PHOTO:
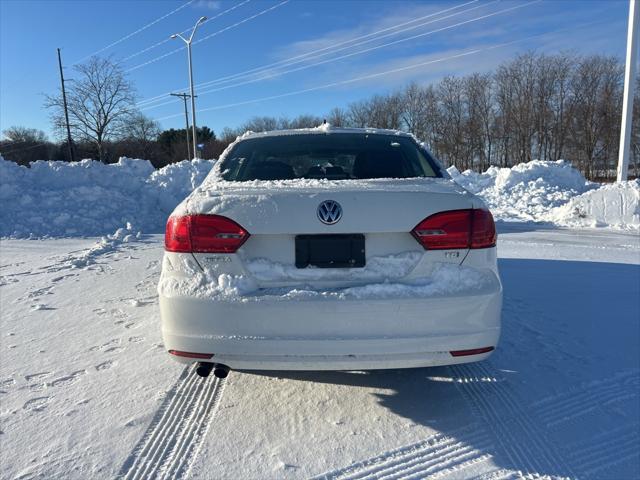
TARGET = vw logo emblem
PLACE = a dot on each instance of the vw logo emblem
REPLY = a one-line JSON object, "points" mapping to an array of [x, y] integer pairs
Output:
{"points": [[329, 212]]}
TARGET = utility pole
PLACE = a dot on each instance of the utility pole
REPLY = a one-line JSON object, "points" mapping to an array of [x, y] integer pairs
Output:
{"points": [[184, 97], [193, 100], [66, 111], [629, 86]]}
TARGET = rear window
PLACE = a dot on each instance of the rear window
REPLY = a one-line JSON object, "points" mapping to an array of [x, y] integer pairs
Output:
{"points": [[337, 156]]}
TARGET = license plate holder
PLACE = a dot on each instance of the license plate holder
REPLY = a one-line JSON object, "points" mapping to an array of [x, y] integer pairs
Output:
{"points": [[330, 251]]}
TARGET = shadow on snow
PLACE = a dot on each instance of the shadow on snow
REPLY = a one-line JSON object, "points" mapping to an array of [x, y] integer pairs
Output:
{"points": [[560, 396]]}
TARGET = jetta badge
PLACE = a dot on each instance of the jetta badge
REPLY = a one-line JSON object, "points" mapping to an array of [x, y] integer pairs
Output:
{"points": [[329, 212]]}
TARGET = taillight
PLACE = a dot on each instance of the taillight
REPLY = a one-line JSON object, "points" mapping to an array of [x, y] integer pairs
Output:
{"points": [[203, 234], [176, 235], [456, 229], [483, 231]]}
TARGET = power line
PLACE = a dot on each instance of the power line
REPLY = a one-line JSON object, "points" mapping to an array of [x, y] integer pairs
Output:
{"points": [[366, 50], [316, 53], [322, 62], [153, 60], [332, 48], [329, 85], [162, 42], [141, 29], [379, 74], [211, 35]]}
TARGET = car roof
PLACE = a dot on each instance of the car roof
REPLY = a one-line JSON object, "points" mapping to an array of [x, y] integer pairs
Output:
{"points": [[325, 129]]}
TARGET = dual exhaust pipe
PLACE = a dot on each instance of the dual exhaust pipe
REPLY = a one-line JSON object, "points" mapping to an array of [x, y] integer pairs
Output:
{"points": [[219, 370]]}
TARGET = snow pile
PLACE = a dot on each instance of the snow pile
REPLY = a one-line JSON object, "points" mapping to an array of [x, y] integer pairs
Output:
{"points": [[553, 192], [91, 198], [527, 191], [613, 205], [88, 198]]}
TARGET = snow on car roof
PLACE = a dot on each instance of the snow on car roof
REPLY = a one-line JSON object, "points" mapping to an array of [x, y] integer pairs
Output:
{"points": [[323, 129]]}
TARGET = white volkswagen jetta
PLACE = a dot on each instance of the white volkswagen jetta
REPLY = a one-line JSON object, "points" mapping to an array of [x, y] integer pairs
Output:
{"points": [[329, 249]]}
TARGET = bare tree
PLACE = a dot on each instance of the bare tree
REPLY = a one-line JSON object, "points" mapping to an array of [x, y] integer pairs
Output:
{"points": [[551, 107], [385, 111], [17, 134], [141, 128], [359, 114], [228, 134], [433, 120], [301, 121], [562, 104], [338, 117], [260, 124], [482, 117], [414, 110], [24, 145], [453, 125], [597, 86], [516, 83], [101, 100], [140, 133]]}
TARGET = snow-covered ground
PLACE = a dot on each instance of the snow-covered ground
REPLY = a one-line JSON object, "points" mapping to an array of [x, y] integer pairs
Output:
{"points": [[87, 391]]}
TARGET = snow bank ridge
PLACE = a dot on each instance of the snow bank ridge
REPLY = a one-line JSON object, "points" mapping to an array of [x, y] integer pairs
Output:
{"points": [[615, 205], [554, 192], [89, 198]]}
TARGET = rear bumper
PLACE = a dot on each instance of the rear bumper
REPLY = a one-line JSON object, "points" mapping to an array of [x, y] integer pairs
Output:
{"points": [[334, 334]]}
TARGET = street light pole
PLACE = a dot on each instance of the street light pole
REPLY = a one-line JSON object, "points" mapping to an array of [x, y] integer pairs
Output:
{"points": [[629, 85], [193, 99]]}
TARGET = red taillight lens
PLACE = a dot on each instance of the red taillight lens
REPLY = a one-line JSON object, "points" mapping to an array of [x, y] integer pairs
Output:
{"points": [[203, 234], [483, 231], [176, 235], [444, 230], [456, 229], [216, 234]]}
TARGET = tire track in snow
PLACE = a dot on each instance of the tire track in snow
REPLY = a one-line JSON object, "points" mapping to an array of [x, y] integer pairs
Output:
{"points": [[182, 457], [436, 456], [172, 441], [581, 401], [160, 438], [502, 474], [606, 449], [466, 384], [522, 441]]}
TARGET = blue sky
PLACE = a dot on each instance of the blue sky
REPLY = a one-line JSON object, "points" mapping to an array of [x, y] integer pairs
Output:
{"points": [[308, 31]]}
